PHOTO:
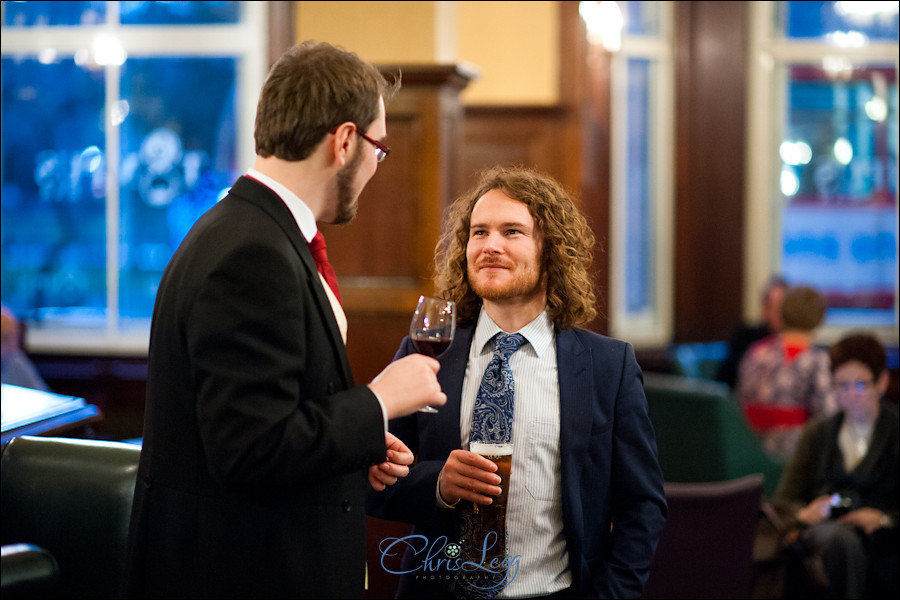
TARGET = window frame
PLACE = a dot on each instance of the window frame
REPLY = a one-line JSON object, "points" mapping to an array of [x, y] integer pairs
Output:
{"points": [[653, 327], [247, 42], [766, 111]]}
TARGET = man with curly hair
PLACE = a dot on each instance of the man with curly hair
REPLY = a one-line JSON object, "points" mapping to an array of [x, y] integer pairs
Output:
{"points": [[586, 503]]}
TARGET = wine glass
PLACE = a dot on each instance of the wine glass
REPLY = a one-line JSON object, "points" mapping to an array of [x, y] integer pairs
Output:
{"points": [[432, 328]]}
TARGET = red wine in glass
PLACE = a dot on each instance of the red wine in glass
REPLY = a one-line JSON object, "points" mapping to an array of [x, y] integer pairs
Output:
{"points": [[432, 328], [431, 347]]}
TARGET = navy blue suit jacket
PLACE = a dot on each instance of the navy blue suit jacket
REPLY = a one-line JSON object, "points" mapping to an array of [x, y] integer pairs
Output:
{"points": [[613, 503]]}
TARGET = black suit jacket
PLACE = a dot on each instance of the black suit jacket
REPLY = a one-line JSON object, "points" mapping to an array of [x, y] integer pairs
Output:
{"points": [[256, 442], [613, 503]]}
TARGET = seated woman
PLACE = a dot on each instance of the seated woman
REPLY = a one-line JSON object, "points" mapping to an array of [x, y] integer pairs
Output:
{"points": [[783, 380], [841, 484]]}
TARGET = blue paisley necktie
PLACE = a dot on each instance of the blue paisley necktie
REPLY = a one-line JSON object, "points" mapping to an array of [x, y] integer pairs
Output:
{"points": [[492, 421], [493, 415]]}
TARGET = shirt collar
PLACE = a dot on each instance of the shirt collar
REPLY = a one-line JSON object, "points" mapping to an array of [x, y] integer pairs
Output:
{"points": [[538, 333], [304, 217]]}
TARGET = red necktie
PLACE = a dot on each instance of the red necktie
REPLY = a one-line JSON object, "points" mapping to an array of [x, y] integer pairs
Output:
{"points": [[317, 247]]}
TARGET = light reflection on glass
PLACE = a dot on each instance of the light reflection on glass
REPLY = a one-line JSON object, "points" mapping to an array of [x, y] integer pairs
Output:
{"points": [[107, 50], [843, 151]]}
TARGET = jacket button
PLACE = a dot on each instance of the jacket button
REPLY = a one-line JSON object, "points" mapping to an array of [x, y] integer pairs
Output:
{"points": [[148, 482], [331, 387], [346, 505]]}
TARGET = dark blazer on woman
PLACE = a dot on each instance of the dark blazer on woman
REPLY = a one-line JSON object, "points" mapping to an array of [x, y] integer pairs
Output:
{"points": [[256, 442], [817, 466], [610, 469]]}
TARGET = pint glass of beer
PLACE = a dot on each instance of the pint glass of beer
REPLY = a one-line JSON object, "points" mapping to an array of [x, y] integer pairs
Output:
{"points": [[492, 517]]}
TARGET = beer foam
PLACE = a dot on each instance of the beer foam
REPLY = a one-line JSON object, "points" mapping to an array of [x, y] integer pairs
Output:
{"points": [[486, 449]]}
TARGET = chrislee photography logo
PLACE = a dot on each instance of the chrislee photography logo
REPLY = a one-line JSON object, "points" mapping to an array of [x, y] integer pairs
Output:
{"points": [[444, 560]]}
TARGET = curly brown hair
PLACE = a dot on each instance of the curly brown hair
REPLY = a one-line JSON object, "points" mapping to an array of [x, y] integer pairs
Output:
{"points": [[567, 254]]}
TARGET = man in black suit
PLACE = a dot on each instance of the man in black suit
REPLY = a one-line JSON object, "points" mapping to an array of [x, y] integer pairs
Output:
{"points": [[257, 442]]}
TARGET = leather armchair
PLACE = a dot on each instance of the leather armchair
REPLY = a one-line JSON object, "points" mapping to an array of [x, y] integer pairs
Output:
{"points": [[702, 435], [706, 547], [65, 518]]}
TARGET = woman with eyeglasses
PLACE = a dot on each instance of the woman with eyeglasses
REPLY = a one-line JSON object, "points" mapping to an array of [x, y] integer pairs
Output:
{"points": [[841, 484]]}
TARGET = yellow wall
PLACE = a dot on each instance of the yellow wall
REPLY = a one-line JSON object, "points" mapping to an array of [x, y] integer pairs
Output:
{"points": [[514, 45]]}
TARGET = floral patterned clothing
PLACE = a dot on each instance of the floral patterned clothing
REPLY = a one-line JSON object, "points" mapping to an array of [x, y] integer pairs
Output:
{"points": [[781, 387]]}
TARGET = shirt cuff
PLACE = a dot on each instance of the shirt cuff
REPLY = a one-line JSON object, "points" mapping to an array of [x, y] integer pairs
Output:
{"points": [[384, 416]]}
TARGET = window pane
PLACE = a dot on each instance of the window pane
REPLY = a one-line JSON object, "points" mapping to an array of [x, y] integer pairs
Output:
{"points": [[53, 190], [178, 155], [839, 182], [180, 13], [639, 248], [806, 20], [43, 14], [641, 18]]}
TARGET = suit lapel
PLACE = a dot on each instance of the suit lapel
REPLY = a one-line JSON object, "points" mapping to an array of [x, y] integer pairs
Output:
{"points": [[576, 391], [443, 427], [255, 192]]}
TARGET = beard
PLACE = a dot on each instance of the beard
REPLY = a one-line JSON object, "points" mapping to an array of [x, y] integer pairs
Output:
{"points": [[525, 283], [347, 198]]}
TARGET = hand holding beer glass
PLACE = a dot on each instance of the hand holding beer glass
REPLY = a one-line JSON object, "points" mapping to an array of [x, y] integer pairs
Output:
{"points": [[478, 481], [492, 517]]}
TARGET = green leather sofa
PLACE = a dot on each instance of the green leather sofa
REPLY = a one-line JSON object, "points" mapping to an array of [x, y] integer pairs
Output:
{"points": [[66, 511], [702, 435]]}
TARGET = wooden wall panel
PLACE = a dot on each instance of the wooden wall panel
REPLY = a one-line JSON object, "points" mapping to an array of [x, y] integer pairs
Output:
{"points": [[527, 136], [384, 258], [389, 209], [711, 68]]}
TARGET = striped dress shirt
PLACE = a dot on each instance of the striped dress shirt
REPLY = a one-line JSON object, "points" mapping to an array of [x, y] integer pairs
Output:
{"points": [[534, 511]]}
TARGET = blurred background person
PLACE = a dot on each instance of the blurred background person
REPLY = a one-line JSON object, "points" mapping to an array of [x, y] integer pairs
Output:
{"points": [[784, 379], [17, 368], [841, 483], [747, 334]]}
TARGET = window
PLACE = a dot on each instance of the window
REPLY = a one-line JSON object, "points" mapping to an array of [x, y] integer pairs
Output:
{"points": [[122, 122], [823, 149], [641, 194]]}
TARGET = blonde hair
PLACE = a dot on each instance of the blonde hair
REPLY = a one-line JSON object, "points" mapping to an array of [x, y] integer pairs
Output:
{"points": [[568, 244]]}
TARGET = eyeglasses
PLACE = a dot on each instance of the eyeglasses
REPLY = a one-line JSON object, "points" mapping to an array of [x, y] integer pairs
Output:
{"points": [[381, 151], [856, 386]]}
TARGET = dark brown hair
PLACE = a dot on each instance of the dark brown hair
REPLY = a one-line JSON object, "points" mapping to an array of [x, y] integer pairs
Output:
{"points": [[862, 347], [803, 308], [568, 244], [310, 90]]}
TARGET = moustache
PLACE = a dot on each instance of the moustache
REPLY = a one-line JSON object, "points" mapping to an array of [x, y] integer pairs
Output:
{"points": [[492, 263]]}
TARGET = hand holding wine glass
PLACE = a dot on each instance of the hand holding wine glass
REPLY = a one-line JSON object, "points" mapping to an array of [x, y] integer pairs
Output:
{"points": [[432, 328]]}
